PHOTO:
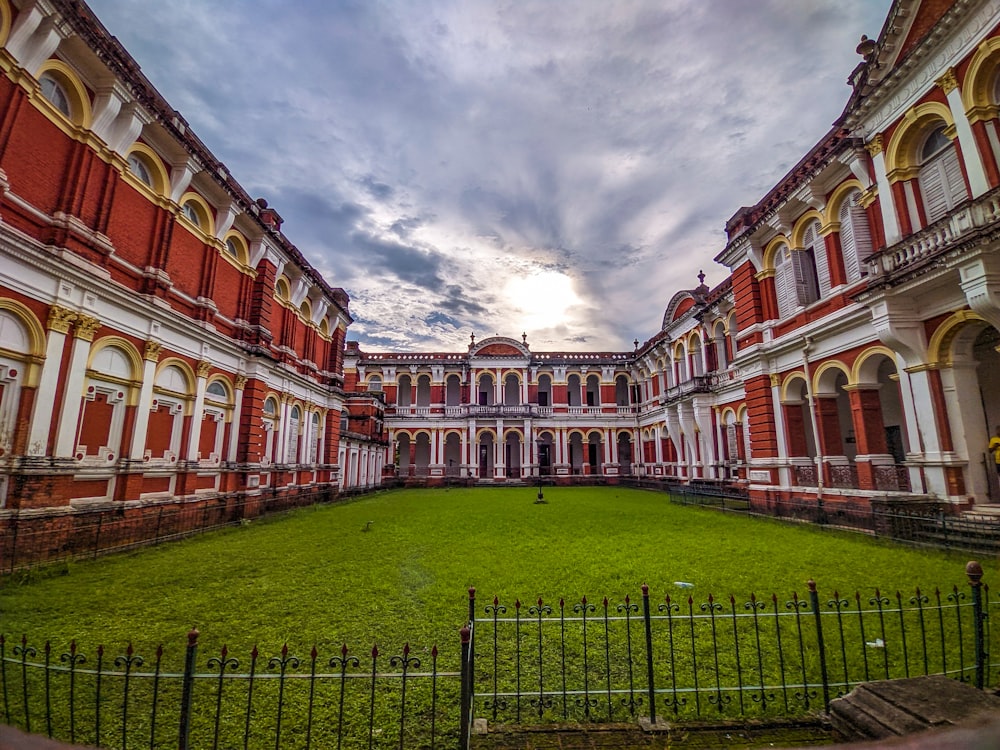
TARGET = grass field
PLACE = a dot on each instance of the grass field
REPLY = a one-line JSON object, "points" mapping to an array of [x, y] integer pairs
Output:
{"points": [[316, 577]]}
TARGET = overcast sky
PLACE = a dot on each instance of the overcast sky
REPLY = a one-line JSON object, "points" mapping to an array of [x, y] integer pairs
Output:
{"points": [[551, 167]]}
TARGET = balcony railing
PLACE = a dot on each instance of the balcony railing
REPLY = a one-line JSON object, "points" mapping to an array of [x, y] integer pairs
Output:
{"points": [[506, 411], [955, 228], [697, 384]]}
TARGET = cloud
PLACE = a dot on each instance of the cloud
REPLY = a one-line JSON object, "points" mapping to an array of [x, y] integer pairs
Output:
{"points": [[424, 155]]}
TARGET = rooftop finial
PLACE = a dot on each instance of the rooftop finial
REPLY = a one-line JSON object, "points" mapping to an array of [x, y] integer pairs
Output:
{"points": [[524, 338], [472, 338], [701, 278]]}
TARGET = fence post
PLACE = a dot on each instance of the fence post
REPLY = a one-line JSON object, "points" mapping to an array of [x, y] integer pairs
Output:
{"points": [[187, 688], [975, 573], [465, 718], [649, 654], [814, 603]]}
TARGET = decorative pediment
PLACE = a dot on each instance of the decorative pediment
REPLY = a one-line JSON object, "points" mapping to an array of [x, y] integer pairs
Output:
{"points": [[499, 346], [679, 304]]}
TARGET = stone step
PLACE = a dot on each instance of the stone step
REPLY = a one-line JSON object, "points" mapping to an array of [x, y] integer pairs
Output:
{"points": [[892, 708]]}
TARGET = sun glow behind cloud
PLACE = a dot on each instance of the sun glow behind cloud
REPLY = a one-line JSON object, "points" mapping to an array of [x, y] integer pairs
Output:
{"points": [[541, 300]]}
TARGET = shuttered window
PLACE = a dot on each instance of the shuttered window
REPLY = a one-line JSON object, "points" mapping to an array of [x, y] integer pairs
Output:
{"points": [[784, 283], [941, 182], [812, 241], [806, 284], [855, 237]]}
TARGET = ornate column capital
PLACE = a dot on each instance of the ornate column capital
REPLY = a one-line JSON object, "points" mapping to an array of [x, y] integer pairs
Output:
{"points": [[203, 368], [240, 383], [60, 319], [875, 145], [85, 327], [151, 353], [947, 82]]}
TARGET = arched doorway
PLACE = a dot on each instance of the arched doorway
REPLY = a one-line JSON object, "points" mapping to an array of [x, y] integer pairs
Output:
{"points": [[576, 453], [422, 454], [453, 454], [545, 454], [511, 390], [403, 463], [624, 454], [799, 434], [512, 454], [486, 460]]}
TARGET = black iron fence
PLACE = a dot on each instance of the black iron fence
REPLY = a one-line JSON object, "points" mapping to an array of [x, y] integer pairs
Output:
{"points": [[691, 657], [677, 656], [229, 700]]}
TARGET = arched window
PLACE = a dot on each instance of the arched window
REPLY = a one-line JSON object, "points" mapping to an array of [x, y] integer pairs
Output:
{"points": [[191, 213], [232, 249], [621, 391], [294, 422], [375, 383], [404, 391], [281, 289], [218, 390], [102, 416], [593, 390], [855, 236], [941, 183], [56, 93], [795, 282], [815, 258], [139, 168], [314, 438], [270, 420]]}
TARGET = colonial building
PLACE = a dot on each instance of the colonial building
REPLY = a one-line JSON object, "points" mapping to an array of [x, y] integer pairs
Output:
{"points": [[851, 355], [500, 411], [163, 341]]}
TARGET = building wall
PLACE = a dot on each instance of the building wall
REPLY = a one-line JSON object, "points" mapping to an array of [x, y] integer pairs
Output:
{"points": [[161, 340]]}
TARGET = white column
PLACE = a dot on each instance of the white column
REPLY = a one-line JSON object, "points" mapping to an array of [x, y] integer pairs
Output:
{"points": [[473, 454], [145, 405], [234, 428], [886, 202], [970, 151], [281, 447], [607, 449], [527, 448], [197, 411], [499, 462], [76, 375], [60, 319]]}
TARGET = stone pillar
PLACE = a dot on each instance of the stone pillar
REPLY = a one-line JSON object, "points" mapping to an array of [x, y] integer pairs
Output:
{"points": [[970, 152], [151, 355], [234, 431], [194, 437], [887, 204], [58, 325], [84, 328]]}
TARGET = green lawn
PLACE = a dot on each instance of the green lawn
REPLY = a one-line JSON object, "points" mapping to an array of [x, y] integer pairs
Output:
{"points": [[316, 577]]}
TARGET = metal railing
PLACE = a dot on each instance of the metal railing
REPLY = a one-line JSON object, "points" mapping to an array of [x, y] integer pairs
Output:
{"points": [[958, 226], [230, 700], [679, 656], [695, 657]]}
